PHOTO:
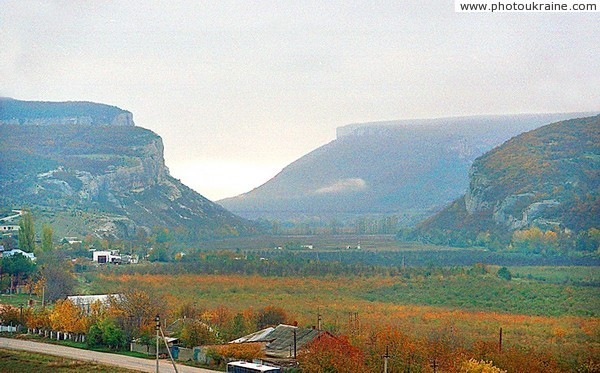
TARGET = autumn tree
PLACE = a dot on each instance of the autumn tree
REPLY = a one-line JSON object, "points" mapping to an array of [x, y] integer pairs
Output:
{"points": [[331, 354], [196, 333], [26, 232], [67, 317], [270, 315], [134, 311], [405, 352], [443, 348], [188, 310], [39, 318], [482, 366], [239, 351], [10, 315], [238, 327]]}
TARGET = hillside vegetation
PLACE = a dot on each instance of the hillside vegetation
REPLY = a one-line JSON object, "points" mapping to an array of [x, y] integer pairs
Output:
{"points": [[542, 185]]}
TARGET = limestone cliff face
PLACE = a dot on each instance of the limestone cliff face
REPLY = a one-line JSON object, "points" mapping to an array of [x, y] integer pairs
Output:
{"points": [[144, 170], [114, 175], [548, 177]]}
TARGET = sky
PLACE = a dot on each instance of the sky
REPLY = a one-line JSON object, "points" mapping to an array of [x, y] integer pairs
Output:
{"points": [[240, 89]]}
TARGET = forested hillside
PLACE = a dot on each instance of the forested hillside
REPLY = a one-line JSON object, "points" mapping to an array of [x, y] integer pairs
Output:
{"points": [[540, 186]]}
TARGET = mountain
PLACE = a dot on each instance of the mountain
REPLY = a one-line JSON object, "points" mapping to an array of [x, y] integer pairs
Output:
{"points": [[547, 178], [86, 167], [409, 167]]}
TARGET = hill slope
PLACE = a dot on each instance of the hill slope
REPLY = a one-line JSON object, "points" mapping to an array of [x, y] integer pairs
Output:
{"points": [[99, 176], [387, 167], [549, 177]]}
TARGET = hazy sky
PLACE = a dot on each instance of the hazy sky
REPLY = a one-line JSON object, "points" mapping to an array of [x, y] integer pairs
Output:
{"points": [[238, 90]]}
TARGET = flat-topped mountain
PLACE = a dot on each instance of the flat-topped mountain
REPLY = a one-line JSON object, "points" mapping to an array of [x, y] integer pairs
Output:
{"points": [[548, 178], [72, 112], [409, 166], [90, 171]]}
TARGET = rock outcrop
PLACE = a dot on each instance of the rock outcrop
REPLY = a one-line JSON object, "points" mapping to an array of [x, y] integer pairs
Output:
{"points": [[110, 175], [549, 178]]}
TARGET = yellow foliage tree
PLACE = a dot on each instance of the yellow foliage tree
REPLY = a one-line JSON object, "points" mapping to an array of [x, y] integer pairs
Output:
{"points": [[482, 366], [67, 317]]}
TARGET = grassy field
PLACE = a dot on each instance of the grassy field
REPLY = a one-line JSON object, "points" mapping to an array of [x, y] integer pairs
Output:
{"points": [[17, 299], [22, 361], [559, 275]]}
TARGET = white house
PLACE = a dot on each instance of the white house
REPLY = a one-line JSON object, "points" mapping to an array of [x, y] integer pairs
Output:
{"points": [[112, 256], [6, 228], [12, 252], [85, 301]]}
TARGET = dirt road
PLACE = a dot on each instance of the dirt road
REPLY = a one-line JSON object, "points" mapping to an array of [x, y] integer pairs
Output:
{"points": [[134, 363]]}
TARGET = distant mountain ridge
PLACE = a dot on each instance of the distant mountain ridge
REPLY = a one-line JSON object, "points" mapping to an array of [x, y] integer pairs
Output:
{"points": [[547, 178], [101, 174], [386, 167]]}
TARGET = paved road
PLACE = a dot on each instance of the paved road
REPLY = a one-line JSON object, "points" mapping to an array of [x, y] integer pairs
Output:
{"points": [[134, 363]]}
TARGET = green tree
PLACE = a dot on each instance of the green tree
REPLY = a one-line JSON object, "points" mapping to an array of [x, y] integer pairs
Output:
{"points": [[26, 233], [112, 335], [504, 273], [197, 333], [17, 266], [94, 336], [47, 244], [58, 275]]}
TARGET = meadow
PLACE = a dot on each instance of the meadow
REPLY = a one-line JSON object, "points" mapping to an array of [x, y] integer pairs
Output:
{"points": [[22, 361]]}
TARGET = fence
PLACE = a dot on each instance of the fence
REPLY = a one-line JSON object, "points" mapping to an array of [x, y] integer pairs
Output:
{"points": [[8, 328], [59, 336]]}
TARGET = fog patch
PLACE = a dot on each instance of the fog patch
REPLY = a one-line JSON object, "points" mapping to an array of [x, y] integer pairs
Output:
{"points": [[344, 185]]}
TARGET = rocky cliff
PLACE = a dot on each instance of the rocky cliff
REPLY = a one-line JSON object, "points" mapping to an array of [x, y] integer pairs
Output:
{"points": [[549, 178], [102, 177]]}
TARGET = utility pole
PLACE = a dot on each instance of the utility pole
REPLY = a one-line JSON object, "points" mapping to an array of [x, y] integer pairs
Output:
{"points": [[500, 341], [319, 322], [294, 343], [169, 351], [385, 359], [157, 319]]}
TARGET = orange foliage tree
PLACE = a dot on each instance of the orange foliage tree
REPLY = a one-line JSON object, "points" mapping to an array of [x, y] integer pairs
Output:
{"points": [[271, 315], [240, 351], [331, 354]]}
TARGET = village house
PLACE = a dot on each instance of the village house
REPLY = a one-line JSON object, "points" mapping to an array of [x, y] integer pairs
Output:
{"points": [[8, 228], [7, 253], [112, 256], [84, 302], [280, 344]]}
